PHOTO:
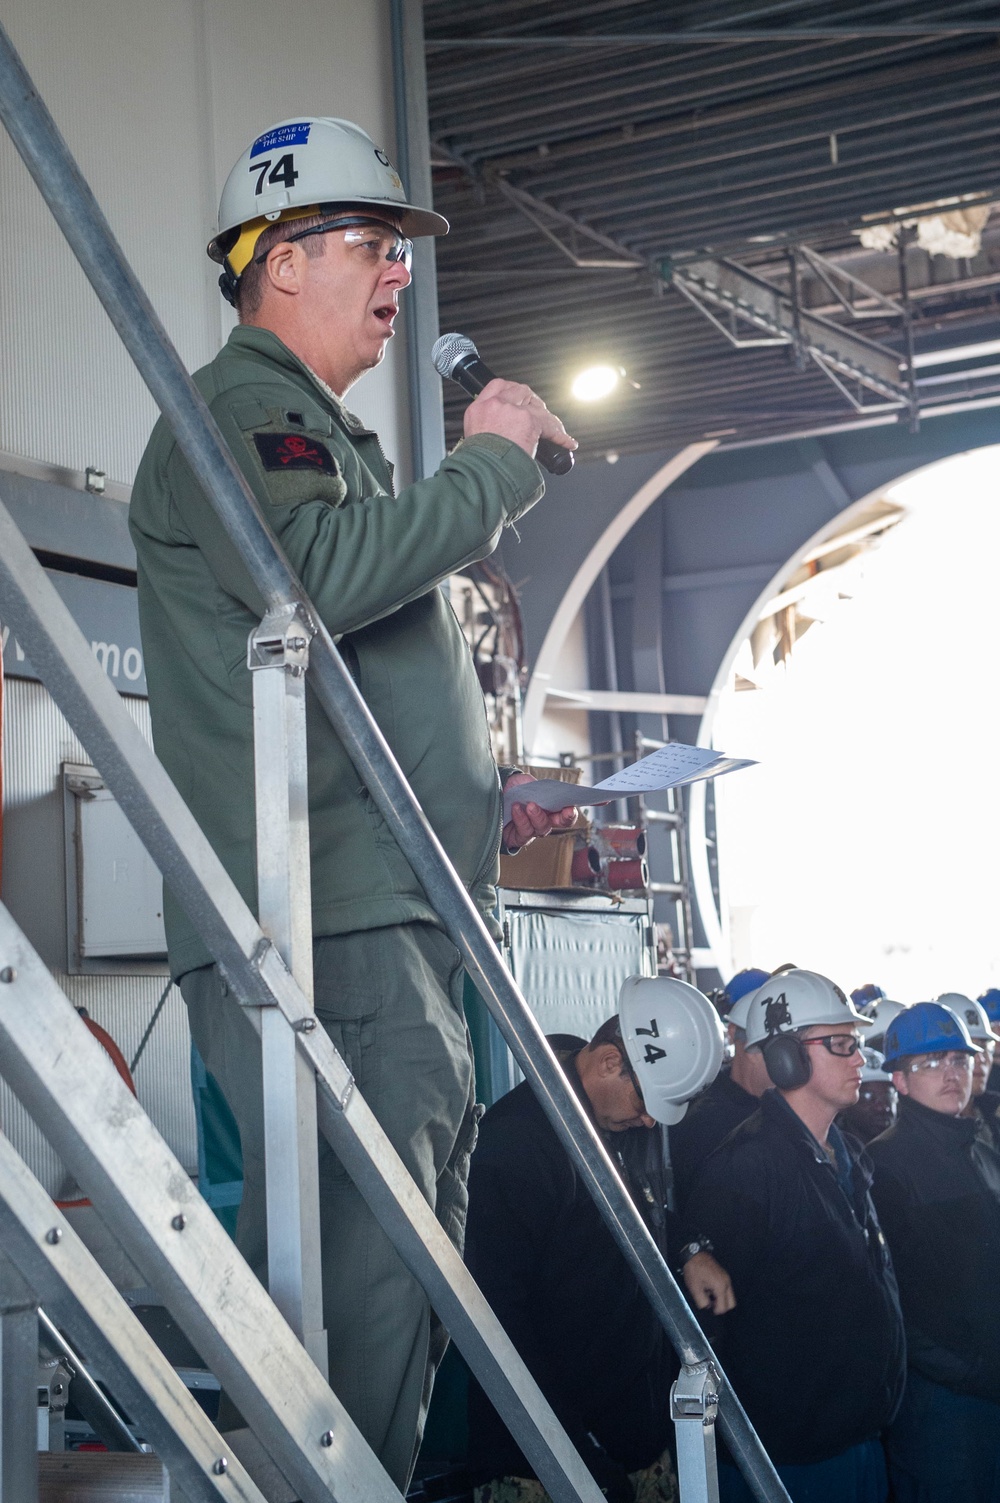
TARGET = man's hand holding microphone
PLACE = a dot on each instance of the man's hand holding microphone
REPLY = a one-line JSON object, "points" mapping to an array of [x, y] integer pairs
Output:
{"points": [[514, 411], [506, 407]]}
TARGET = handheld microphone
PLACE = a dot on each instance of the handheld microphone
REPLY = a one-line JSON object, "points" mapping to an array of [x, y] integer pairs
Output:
{"points": [[457, 358]]}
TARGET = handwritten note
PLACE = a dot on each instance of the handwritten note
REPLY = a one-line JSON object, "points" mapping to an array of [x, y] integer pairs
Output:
{"points": [[667, 767]]}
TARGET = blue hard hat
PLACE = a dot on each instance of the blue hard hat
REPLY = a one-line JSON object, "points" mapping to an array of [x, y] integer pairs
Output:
{"points": [[864, 996], [926, 1028], [745, 981], [990, 999]]}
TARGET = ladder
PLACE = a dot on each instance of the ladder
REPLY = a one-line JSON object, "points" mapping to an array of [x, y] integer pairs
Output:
{"points": [[265, 1350], [669, 860]]}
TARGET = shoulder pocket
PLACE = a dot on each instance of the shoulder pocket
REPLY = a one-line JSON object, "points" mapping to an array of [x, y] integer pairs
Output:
{"points": [[292, 451]]}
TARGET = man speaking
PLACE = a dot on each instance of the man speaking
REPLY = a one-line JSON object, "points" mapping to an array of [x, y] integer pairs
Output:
{"points": [[314, 243]]}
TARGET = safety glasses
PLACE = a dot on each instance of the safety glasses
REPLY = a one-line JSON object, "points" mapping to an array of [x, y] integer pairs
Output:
{"points": [[843, 1045], [929, 1062], [382, 240]]}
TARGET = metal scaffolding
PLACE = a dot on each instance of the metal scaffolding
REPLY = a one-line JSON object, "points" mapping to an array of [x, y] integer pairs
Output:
{"points": [[254, 1342]]}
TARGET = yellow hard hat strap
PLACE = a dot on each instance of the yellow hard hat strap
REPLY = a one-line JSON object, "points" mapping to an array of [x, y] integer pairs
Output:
{"points": [[241, 254]]}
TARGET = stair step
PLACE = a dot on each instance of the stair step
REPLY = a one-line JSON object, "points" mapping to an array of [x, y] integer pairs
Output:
{"points": [[102, 1477]]}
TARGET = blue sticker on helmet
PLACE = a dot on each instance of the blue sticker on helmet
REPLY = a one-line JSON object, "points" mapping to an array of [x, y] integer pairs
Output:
{"points": [[280, 137]]}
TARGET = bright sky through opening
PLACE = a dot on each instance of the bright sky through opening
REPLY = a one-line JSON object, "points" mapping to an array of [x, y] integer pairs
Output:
{"points": [[867, 843]]}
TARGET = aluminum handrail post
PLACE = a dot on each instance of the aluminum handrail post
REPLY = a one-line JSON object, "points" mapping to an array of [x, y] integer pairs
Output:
{"points": [[277, 659], [76, 211], [694, 1405]]}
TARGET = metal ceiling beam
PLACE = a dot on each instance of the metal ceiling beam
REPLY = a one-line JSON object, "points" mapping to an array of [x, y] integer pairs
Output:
{"points": [[748, 299], [718, 38], [564, 231], [853, 125], [420, 306], [511, 102], [628, 87], [782, 112], [842, 205], [800, 171]]}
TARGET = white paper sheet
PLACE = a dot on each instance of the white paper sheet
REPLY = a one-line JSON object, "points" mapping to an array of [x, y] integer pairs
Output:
{"points": [[667, 767]]}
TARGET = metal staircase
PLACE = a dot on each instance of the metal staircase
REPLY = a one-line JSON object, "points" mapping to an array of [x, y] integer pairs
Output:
{"points": [[267, 1352]]}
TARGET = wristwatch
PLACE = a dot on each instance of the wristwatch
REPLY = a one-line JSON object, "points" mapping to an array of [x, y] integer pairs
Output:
{"points": [[691, 1249]]}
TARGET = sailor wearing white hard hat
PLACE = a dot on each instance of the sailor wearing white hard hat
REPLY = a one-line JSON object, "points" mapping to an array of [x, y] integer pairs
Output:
{"points": [[552, 1271], [785, 1201], [314, 246]]}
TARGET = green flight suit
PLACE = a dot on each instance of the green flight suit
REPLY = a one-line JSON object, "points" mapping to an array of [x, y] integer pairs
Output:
{"points": [[388, 981]]}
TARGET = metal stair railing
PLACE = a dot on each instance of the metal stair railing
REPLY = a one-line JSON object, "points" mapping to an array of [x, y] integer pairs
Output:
{"points": [[252, 964], [259, 977]]}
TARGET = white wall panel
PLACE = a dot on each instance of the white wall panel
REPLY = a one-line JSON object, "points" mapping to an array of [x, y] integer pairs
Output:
{"points": [[36, 740], [157, 100], [309, 57]]}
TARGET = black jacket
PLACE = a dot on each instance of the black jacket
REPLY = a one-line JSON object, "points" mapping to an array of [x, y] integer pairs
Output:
{"points": [[710, 1119], [987, 1119], [937, 1189], [815, 1345], [537, 1246]]}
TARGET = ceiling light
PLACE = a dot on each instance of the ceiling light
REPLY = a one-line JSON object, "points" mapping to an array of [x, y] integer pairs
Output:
{"points": [[595, 382]]}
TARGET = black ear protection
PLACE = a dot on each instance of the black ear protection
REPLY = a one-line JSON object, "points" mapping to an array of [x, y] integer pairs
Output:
{"points": [[787, 1061]]}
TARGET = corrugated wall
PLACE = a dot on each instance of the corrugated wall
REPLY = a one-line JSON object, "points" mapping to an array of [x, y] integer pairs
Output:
{"points": [[157, 101], [37, 740]]}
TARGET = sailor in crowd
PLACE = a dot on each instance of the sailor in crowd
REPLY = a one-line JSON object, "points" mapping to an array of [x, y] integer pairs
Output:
{"points": [[790, 1241], [937, 1190], [732, 1097], [880, 1014], [984, 1104], [875, 1109], [554, 1274], [814, 1346], [315, 255], [867, 996], [989, 1001]]}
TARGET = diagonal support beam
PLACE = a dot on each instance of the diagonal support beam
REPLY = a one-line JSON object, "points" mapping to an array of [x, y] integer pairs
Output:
{"points": [[567, 233], [78, 1293], [66, 1081]]}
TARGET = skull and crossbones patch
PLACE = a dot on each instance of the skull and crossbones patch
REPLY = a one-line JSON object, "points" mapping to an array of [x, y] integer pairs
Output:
{"points": [[294, 451]]}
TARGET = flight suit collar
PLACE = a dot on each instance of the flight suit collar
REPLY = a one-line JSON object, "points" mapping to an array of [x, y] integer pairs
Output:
{"points": [[257, 341]]}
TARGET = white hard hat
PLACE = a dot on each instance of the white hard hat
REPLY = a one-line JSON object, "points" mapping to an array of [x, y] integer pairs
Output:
{"points": [[738, 1013], [674, 1041], [972, 1014], [874, 1067], [882, 1014], [798, 999], [298, 165]]}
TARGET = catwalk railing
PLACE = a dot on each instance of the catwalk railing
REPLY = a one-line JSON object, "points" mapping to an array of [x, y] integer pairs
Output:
{"points": [[316, 1446]]}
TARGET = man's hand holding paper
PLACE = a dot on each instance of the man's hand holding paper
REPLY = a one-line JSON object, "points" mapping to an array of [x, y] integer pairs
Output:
{"points": [[667, 767], [525, 820]]}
